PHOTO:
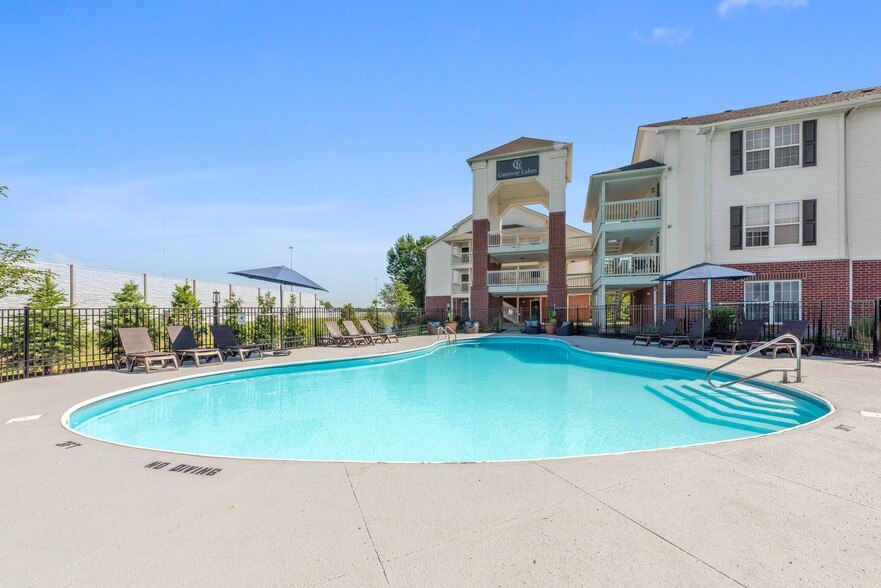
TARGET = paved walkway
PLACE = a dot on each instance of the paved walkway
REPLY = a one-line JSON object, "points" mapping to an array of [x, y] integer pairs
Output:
{"points": [[802, 508]]}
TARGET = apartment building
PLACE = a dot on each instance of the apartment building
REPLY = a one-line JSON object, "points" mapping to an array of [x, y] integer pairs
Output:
{"points": [[789, 191], [507, 260]]}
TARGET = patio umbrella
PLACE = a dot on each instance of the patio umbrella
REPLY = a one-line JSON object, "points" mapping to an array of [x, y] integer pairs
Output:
{"points": [[281, 275], [706, 271]]}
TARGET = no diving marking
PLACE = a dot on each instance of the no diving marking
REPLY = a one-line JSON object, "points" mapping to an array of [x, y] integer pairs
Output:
{"points": [[183, 468]]}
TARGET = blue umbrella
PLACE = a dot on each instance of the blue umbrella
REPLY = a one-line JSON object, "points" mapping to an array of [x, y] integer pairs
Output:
{"points": [[281, 275], [706, 271]]}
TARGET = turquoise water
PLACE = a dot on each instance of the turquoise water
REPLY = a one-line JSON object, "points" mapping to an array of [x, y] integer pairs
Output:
{"points": [[495, 399]]}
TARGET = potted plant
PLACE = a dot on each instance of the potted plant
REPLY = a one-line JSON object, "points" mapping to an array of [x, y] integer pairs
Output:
{"points": [[551, 325], [452, 325]]}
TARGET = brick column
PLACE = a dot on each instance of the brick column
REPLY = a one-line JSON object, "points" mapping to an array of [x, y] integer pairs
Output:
{"points": [[557, 290], [479, 266]]}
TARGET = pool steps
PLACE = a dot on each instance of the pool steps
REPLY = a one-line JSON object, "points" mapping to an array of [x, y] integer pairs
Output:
{"points": [[738, 407]]}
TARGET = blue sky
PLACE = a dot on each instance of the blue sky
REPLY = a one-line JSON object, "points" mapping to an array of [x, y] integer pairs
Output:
{"points": [[227, 131]]}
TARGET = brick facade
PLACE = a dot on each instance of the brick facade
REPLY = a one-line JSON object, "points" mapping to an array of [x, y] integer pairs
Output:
{"points": [[557, 290], [480, 298], [867, 279], [436, 307]]}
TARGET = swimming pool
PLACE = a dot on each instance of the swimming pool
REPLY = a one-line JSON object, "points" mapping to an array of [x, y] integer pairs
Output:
{"points": [[496, 398]]}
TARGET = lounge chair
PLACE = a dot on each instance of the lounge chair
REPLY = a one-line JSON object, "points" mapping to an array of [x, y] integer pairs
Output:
{"points": [[434, 327], [225, 340], [472, 327], [566, 329], [184, 344], [798, 329], [337, 337], [697, 333], [138, 349], [531, 327], [387, 336], [745, 336], [667, 329], [353, 331]]}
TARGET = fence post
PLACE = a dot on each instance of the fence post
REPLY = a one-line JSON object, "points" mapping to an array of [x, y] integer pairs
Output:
{"points": [[27, 340], [820, 328], [876, 332]]}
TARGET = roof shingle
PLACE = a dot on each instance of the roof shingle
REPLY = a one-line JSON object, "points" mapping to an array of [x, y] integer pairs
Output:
{"points": [[516, 146], [777, 107]]}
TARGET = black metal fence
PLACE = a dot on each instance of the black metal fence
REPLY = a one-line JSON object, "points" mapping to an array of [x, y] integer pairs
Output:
{"points": [[38, 342], [839, 328]]}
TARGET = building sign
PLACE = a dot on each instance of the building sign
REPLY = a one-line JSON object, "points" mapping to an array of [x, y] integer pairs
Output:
{"points": [[517, 168]]}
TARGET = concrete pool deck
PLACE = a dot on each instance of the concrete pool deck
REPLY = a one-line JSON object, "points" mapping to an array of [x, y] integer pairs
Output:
{"points": [[798, 508]]}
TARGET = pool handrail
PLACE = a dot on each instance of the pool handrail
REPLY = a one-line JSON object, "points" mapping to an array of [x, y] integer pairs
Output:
{"points": [[447, 332], [796, 369]]}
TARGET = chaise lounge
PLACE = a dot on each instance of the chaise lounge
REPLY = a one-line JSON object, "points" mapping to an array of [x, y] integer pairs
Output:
{"points": [[353, 331], [798, 329], [138, 349], [225, 340], [697, 333], [185, 346], [667, 329], [337, 337], [368, 330], [745, 336]]}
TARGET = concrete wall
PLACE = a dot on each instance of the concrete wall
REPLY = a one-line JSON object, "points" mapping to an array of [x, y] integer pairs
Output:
{"points": [[94, 288]]}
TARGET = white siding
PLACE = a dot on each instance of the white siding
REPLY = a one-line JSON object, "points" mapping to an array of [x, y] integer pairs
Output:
{"points": [[438, 275], [864, 182], [779, 185], [691, 217]]}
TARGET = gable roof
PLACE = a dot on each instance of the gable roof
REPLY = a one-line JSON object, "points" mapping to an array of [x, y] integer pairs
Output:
{"points": [[776, 107], [645, 164], [517, 146]]}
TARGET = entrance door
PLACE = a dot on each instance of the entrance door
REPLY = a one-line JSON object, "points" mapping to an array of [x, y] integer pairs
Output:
{"points": [[466, 311], [535, 310]]}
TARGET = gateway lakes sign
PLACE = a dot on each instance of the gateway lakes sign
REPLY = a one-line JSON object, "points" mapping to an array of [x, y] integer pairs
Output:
{"points": [[517, 168]]}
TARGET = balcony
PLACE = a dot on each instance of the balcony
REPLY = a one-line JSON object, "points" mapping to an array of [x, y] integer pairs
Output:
{"points": [[628, 215], [524, 281], [461, 258], [531, 242], [579, 282], [577, 246], [632, 265], [461, 288]]}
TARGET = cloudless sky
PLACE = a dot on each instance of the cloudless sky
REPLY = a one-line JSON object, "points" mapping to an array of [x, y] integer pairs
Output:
{"points": [[223, 132]]}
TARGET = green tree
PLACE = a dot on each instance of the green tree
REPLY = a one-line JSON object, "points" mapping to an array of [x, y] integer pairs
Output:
{"points": [[232, 306], [129, 309], [406, 263], [53, 331], [396, 296], [185, 309], [295, 331], [265, 328], [374, 318], [17, 277]]}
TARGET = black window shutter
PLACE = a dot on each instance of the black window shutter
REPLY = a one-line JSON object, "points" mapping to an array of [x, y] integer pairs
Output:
{"points": [[736, 227], [809, 222], [809, 140], [736, 152]]}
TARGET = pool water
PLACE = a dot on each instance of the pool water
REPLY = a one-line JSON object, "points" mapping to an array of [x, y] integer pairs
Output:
{"points": [[491, 399]]}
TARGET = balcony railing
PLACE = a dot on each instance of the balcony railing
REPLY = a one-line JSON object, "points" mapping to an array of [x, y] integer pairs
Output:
{"points": [[461, 288], [634, 264], [623, 211], [516, 278], [529, 238], [578, 243], [578, 280], [461, 258]]}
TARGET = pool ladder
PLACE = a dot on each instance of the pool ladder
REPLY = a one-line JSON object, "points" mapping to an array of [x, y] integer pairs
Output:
{"points": [[449, 334], [780, 339]]}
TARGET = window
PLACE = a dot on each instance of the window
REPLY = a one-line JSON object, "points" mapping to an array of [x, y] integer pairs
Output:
{"points": [[786, 142], [773, 302], [786, 223], [464, 278], [758, 225], [761, 228], [786, 146], [758, 146]]}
